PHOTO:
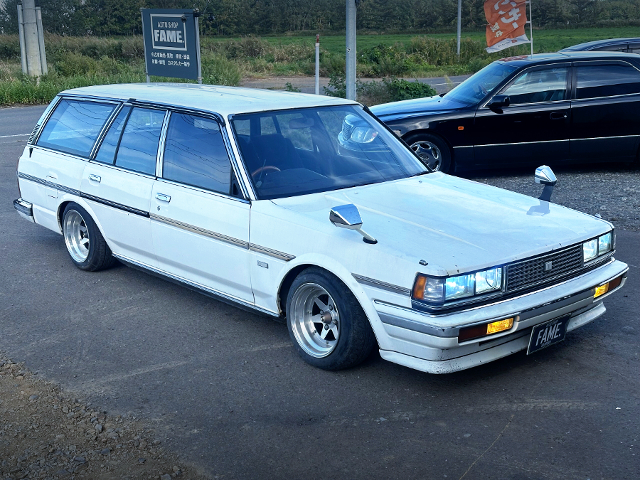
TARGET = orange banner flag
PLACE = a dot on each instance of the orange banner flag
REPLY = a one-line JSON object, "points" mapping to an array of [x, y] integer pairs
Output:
{"points": [[506, 20]]}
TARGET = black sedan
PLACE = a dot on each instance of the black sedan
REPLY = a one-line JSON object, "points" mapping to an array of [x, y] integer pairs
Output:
{"points": [[626, 45], [554, 108]]}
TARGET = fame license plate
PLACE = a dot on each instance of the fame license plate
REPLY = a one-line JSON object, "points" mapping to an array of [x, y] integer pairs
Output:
{"points": [[547, 334]]}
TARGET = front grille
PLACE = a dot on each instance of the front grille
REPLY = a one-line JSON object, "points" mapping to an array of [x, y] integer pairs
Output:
{"points": [[543, 269]]}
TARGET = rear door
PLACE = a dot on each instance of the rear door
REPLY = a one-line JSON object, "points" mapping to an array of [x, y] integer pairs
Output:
{"points": [[605, 112], [534, 128], [199, 218], [119, 180]]}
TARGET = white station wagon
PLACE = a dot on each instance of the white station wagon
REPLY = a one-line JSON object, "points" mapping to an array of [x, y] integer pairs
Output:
{"points": [[307, 207]]}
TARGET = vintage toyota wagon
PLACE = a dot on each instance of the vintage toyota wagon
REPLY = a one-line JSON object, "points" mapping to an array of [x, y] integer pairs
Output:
{"points": [[308, 208]]}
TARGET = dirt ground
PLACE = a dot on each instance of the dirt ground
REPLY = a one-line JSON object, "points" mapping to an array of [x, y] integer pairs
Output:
{"points": [[44, 434]]}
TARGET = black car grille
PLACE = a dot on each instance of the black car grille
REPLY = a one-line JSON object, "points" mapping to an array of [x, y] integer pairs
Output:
{"points": [[542, 269]]}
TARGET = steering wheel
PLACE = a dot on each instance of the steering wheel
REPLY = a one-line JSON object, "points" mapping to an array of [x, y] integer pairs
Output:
{"points": [[264, 169]]}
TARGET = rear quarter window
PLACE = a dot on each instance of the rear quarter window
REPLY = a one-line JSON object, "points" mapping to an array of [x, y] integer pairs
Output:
{"points": [[74, 126], [596, 81]]}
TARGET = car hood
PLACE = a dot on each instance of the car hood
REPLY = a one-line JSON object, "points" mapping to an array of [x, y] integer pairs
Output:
{"points": [[454, 224], [434, 104]]}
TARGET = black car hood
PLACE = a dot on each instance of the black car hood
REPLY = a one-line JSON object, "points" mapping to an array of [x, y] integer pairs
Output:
{"points": [[434, 104]]}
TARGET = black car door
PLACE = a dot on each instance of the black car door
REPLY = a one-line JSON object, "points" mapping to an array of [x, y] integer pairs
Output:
{"points": [[605, 110], [534, 128]]}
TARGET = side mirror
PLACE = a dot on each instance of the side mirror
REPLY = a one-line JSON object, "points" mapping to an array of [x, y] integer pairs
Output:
{"points": [[545, 176], [498, 102], [348, 216]]}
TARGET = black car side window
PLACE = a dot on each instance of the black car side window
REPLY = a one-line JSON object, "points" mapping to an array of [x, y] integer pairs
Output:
{"points": [[139, 143], [195, 153], [540, 85], [595, 81]]}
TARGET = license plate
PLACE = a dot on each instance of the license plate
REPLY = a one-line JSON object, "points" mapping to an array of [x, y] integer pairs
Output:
{"points": [[547, 334]]}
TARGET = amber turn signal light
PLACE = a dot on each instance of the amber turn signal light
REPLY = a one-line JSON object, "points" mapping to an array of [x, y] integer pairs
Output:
{"points": [[479, 331], [602, 289]]}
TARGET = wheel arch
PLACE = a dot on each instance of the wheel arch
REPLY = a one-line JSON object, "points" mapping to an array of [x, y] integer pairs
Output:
{"points": [[427, 131], [81, 202]]}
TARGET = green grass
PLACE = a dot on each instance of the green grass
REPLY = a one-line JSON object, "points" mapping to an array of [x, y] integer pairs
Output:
{"points": [[79, 61]]}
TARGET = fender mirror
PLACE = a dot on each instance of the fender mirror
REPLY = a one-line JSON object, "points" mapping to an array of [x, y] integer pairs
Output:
{"points": [[348, 216], [545, 176]]}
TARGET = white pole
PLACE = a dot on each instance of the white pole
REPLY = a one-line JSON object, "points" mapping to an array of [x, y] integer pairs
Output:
{"points": [[459, 24], [23, 49], [530, 27], [43, 54], [350, 73], [318, 64], [31, 38], [146, 66], [198, 50]]}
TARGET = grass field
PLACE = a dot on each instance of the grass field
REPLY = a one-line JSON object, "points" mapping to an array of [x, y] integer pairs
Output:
{"points": [[77, 61]]}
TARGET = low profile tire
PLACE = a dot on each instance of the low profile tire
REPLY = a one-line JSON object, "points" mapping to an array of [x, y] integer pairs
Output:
{"points": [[433, 151], [326, 323], [85, 244]]}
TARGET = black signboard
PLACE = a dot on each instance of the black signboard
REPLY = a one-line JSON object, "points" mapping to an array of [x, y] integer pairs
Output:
{"points": [[171, 43]]}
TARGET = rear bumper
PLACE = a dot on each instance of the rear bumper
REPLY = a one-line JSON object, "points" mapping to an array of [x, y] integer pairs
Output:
{"points": [[429, 342], [24, 208]]}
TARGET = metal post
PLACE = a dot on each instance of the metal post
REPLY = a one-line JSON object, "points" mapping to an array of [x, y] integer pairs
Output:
{"points": [[23, 49], [530, 27], [144, 36], [43, 54], [459, 24], [318, 64], [195, 18], [31, 38], [351, 51]]}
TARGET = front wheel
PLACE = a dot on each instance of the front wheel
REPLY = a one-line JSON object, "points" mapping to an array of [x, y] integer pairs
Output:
{"points": [[83, 239], [326, 323], [432, 150]]}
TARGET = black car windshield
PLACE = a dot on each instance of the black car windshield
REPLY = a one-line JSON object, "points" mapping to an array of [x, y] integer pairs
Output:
{"points": [[307, 150], [476, 87]]}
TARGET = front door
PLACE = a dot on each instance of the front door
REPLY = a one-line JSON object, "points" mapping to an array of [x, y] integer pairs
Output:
{"points": [[534, 128]]}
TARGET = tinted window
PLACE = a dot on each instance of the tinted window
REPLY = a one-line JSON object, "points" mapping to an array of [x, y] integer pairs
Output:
{"points": [[533, 86], [195, 153], [74, 126], [139, 144], [476, 87], [107, 150], [607, 81]]}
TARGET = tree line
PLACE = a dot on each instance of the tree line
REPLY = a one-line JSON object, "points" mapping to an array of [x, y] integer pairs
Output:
{"points": [[263, 17]]}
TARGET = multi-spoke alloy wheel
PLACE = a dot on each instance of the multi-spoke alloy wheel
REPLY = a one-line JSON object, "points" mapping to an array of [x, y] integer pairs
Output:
{"points": [[326, 322], [432, 150], [315, 320], [429, 153], [76, 236]]}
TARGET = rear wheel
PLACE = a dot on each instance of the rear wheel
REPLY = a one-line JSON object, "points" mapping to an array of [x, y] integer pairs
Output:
{"points": [[85, 244], [326, 323], [432, 150]]}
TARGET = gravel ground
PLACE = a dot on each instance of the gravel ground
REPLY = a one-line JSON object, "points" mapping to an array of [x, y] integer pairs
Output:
{"points": [[611, 191], [44, 434]]}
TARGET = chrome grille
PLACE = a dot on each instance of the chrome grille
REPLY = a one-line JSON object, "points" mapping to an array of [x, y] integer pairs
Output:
{"points": [[542, 269]]}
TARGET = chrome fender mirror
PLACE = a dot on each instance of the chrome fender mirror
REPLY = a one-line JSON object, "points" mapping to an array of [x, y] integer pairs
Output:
{"points": [[545, 176], [348, 216]]}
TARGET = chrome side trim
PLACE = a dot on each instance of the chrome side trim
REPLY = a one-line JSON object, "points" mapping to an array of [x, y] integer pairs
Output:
{"points": [[117, 205], [201, 288], [521, 143], [604, 138], [372, 282], [271, 252], [201, 231], [49, 184]]}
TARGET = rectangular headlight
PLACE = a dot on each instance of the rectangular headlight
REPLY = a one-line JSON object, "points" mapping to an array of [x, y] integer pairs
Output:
{"points": [[597, 246], [590, 249], [604, 243], [440, 290]]}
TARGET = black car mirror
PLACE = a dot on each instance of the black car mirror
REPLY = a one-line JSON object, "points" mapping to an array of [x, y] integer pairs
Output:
{"points": [[498, 102]]}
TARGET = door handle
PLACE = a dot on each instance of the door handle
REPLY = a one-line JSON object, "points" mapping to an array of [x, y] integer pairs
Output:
{"points": [[163, 198], [557, 116], [95, 178]]}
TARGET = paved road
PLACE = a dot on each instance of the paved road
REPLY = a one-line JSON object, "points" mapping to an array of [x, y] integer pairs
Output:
{"points": [[227, 391]]}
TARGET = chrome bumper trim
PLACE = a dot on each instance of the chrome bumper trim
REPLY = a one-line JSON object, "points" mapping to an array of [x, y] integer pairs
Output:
{"points": [[372, 282], [23, 207]]}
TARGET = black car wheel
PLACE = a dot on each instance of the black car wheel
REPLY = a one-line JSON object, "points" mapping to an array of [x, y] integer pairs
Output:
{"points": [[432, 150]]}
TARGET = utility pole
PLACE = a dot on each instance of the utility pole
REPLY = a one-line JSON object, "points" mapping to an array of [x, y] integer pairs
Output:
{"points": [[350, 73], [459, 25], [31, 41]]}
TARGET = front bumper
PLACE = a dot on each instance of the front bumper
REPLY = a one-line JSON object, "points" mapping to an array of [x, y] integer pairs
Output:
{"points": [[429, 342], [24, 208]]}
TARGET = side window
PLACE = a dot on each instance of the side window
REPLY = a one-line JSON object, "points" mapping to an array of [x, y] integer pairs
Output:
{"points": [[139, 144], [107, 151], [195, 153], [606, 81], [74, 126], [533, 86]]}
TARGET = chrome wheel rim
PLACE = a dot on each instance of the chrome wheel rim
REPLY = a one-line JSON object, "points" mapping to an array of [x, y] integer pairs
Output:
{"points": [[76, 236], [315, 320], [429, 153]]}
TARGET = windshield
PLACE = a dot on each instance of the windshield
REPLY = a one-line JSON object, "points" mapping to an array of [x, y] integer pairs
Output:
{"points": [[306, 150], [476, 87]]}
